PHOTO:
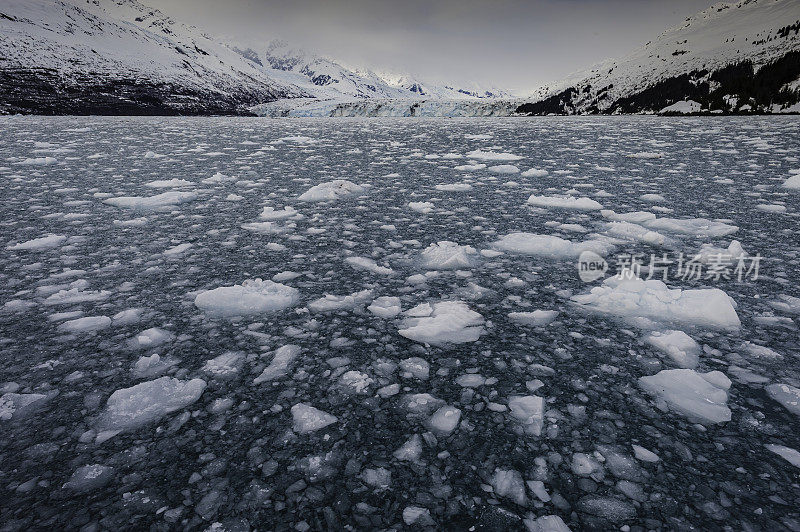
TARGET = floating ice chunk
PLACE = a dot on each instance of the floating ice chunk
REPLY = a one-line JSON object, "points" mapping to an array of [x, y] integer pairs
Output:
{"points": [[654, 198], [650, 301], [709, 252], [442, 323], [565, 202], [131, 408], [786, 395], [546, 523], [549, 246], [537, 318], [446, 255], [225, 366], [504, 169], [454, 187], [701, 397], [697, 227], [309, 419], [332, 190], [787, 453], [165, 199], [178, 250], [331, 303], [152, 366], [16, 404], [299, 139], [37, 161], [150, 338], [643, 454], [385, 307], [444, 420], [528, 410], [771, 207], [793, 182], [420, 404], [270, 213], [17, 305], [89, 324], [250, 297], [534, 172], [761, 351], [424, 207], [75, 294], [364, 263], [471, 380], [678, 345], [417, 516], [469, 167], [508, 483], [646, 155], [481, 155], [415, 367], [169, 183], [411, 450], [90, 478], [267, 228], [39, 244], [282, 359], [379, 478], [609, 508], [217, 178], [354, 382], [635, 233]]}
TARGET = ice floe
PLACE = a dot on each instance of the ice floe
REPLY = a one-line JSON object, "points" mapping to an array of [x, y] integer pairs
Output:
{"points": [[130, 408], [446, 255], [251, 297], [565, 202], [549, 246], [332, 190], [701, 397], [645, 302], [445, 322]]}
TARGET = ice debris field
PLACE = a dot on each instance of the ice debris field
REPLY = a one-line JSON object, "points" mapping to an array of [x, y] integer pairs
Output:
{"points": [[229, 324]]}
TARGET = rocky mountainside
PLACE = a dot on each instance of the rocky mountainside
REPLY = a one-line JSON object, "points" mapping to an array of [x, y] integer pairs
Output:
{"points": [[120, 57], [730, 58], [123, 57]]}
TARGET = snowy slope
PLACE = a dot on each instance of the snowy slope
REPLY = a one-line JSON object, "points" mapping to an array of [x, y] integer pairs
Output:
{"points": [[329, 79], [112, 56], [731, 57]]}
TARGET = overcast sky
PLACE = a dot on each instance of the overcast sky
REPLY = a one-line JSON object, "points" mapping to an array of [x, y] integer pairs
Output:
{"points": [[516, 44]]}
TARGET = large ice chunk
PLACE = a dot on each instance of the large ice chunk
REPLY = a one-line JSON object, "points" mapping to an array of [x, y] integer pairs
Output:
{"points": [[385, 307], [788, 396], [282, 358], [332, 190], [549, 246], [446, 255], [39, 244], [309, 419], [528, 410], [331, 303], [446, 322], [159, 201], [251, 297], [680, 347], [146, 402], [645, 302], [565, 202], [701, 397]]}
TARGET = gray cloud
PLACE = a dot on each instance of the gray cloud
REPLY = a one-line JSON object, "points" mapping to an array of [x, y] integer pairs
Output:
{"points": [[509, 43]]}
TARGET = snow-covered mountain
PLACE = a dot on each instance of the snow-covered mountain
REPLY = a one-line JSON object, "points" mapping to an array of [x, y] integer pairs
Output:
{"points": [[731, 57], [331, 79], [124, 57], [120, 56]]}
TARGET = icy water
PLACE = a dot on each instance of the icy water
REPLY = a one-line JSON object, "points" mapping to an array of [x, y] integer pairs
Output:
{"points": [[478, 382]]}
